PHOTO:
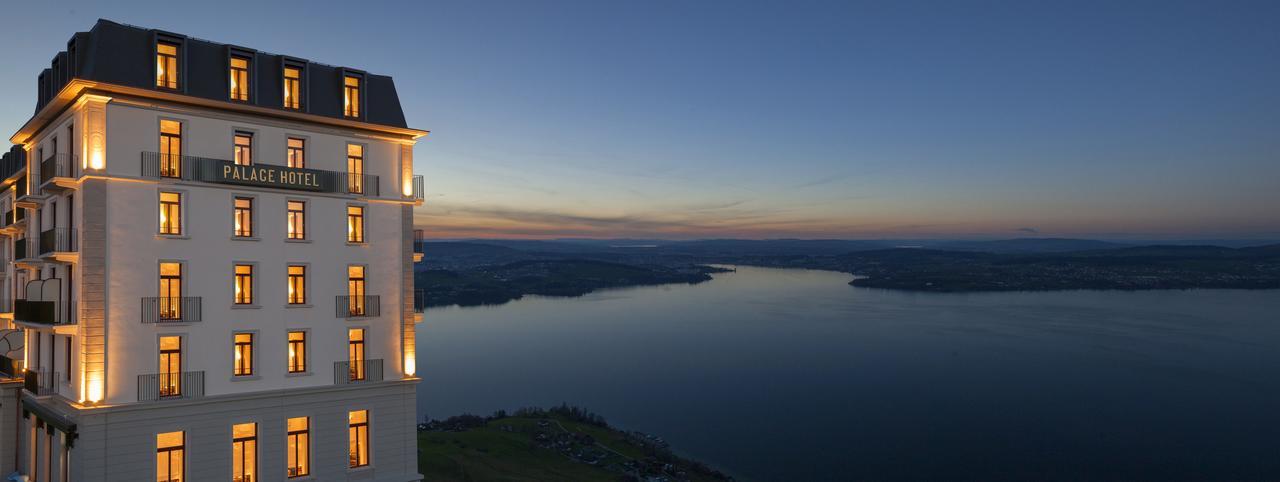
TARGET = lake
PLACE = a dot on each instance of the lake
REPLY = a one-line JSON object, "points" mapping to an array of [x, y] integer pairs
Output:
{"points": [[773, 374]]}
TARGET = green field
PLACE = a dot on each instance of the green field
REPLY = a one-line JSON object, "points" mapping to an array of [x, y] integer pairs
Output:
{"points": [[509, 449]]}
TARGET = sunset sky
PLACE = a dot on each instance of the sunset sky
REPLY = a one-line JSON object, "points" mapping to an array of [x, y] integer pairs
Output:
{"points": [[697, 119]]}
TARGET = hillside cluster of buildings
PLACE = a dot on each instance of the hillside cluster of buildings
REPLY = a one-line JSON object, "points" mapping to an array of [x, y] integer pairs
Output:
{"points": [[207, 257]]}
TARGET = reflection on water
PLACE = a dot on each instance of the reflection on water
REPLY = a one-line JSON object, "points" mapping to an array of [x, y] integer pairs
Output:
{"points": [[792, 374]]}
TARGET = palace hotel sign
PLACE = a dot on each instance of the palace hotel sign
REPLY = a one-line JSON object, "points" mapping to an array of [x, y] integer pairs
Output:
{"points": [[273, 176]]}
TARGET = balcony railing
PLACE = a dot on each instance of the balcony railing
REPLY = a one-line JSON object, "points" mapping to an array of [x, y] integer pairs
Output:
{"points": [[205, 169], [185, 309], [59, 240], [20, 250], [41, 383], [358, 371], [170, 386], [419, 187], [419, 241], [11, 367], [357, 306], [42, 312], [58, 165], [419, 301]]}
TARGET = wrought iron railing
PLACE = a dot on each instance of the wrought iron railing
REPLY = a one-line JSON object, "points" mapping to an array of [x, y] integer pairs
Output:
{"points": [[357, 371], [42, 312], [419, 301], [20, 250], [12, 367], [347, 306], [60, 240], [163, 309], [169, 386], [205, 169], [42, 382], [58, 165]]}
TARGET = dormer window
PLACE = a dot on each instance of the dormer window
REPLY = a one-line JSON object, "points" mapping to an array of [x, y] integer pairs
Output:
{"points": [[351, 96], [240, 79], [166, 65], [292, 88]]}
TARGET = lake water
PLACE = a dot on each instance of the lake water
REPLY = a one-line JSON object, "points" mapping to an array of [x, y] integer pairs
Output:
{"points": [[775, 374]]}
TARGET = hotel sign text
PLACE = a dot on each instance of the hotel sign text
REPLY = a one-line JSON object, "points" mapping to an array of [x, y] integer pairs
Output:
{"points": [[270, 176]]}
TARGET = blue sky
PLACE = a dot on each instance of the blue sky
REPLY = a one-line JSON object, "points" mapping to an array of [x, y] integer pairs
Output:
{"points": [[694, 119]]}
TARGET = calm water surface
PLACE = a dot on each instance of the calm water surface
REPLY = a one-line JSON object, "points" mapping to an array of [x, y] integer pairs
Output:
{"points": [[794, 375]]}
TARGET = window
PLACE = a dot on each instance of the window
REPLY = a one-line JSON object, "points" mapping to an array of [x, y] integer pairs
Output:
{"points": [[170, 148], [244, 284], [299, 447], [297, 285], [351, 96], [297, 351], [297, 152], [170, 366], [244, 452], [170, 291], [297, 220], [244, 217], [243, 153], [355, 224], [166, 65], [239, 78], [355, 354], [355, 168], [358, 438], [243, 354], [355, 290], [292, 88], [170, 455], [170, 213]]}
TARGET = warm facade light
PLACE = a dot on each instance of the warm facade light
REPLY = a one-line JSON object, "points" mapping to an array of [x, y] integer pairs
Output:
{"points": [[94, 394], [410, 365], [408, 187]]}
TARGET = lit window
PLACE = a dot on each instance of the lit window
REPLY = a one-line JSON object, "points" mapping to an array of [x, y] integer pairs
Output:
{"points": [[239, 78], [355, 168], [299, 462], [243, 354], [292, 88], [297, 285], [355, 354], [244, 217], [297, 351], [170, 148], [170, 291], [244, 284], [297, 220], [244, 452], [355, 290], [170, 213], [351, 96], [170, 455], [170, 366], [243, 153], [166, 65], [355, 224], [358, 438], [297, 152]]}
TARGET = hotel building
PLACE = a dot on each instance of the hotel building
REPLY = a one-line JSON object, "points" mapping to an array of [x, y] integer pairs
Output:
{"points": [[207, 257]]}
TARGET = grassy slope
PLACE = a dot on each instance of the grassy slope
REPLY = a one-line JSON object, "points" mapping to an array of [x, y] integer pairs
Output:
{"points": [[492, 454]]}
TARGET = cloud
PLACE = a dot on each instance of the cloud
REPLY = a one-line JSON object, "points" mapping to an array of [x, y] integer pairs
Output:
{"points": [[1028, 230]]}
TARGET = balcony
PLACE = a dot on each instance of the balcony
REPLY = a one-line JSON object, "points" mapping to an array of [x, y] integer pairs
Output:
{"points": [[222, 171], [419, 301], [23, 198], [154, 387], [419, 245], [361, 306], [58, 172], [59, 244], [14, 220], [20, 249], [359, 371], [41, 383], [12, 368], [185, 309]]}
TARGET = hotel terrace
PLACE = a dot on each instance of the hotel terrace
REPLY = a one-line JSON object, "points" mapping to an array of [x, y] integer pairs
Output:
{"points": [[208, 268]]}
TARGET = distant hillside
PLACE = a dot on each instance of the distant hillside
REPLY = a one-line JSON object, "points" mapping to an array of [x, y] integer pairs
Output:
{"points": [[1027, 245], [498, 284]]}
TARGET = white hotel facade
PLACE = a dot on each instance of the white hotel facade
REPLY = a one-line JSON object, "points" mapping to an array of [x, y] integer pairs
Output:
{"points": [[207, 257]]}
